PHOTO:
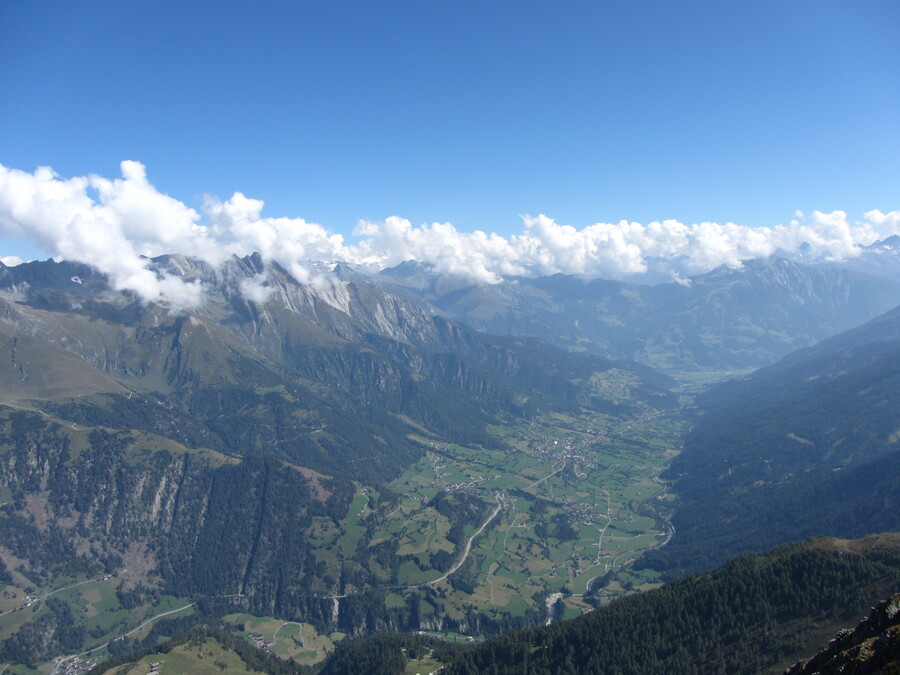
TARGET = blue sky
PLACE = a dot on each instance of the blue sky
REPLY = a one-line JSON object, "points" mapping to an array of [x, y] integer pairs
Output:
{"points": [[467, 112]]}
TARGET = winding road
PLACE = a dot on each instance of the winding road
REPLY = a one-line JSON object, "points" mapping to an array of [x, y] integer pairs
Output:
{"points": [[38, 598], [123, 635], [468, 549]]}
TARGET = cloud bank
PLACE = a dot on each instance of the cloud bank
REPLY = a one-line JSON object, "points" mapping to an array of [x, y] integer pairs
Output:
{"points": [[116, 224]]}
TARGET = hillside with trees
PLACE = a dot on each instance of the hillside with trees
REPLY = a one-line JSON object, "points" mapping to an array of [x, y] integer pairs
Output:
{"points": [[807, 446]]}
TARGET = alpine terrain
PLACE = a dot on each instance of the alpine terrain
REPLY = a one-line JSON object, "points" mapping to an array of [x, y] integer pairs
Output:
{"points": [[289, 465]]}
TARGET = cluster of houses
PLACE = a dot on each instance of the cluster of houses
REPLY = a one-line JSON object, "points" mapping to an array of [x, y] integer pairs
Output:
{"points": [[581, 452], [585, 512], [261, 641], [437, 465], [73, 665]]}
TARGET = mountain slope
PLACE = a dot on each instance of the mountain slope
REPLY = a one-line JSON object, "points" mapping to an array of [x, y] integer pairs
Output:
{"points": [[807, 446], [872, 647], [247, 454], [316, 373], [727, 319], [32, 368], [881, 258], [752, 615]]}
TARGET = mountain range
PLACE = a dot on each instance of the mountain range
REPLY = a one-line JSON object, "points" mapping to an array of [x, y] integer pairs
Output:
{"points": [[343, 358], [225, 453], [723, 321], [137, 438]]}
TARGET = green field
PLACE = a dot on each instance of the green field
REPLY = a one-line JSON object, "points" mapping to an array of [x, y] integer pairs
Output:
{"points": [[93, 603], [206, 658], [558, 509], [578, 497], [289, 639]]}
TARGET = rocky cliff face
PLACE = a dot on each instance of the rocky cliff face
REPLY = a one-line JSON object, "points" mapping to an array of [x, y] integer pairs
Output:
{"points": [[724, 320], [349, 355], [872, 647], [89, 500]]}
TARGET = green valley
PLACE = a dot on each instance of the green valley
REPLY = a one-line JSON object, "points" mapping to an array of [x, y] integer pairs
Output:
{"points": [[288, 477], [469, 538], [570, 502]]}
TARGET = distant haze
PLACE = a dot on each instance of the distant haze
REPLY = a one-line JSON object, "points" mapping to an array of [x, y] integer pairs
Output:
{"points": [[114, 224]]}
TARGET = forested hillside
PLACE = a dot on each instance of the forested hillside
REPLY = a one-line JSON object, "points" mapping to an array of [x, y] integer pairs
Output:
{"points": [[873, 646], [754, 614], [807, 446]]}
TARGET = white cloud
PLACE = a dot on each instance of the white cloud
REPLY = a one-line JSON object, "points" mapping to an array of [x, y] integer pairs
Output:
{"points": [[127, 219], [112, 223], [877, 226], [239, 228], [256, 289], [476, 255]]}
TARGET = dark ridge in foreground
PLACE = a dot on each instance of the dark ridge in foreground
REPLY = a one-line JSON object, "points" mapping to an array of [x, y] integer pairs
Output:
{"points": [[754, 614], [872, 647]]}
